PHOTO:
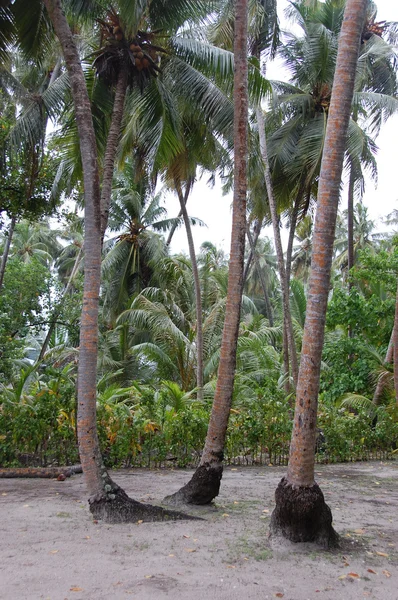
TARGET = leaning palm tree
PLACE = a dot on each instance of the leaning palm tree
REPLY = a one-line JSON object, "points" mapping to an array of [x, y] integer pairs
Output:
{"points": [[301, 513], [205, 483], [107, 500]]}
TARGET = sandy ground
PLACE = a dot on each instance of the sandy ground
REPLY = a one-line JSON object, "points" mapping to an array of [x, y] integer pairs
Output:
{"points": [[51, 548]]}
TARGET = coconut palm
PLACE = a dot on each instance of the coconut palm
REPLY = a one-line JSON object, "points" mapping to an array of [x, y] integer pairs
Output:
{"points": [[301, 513], [205, 483]]}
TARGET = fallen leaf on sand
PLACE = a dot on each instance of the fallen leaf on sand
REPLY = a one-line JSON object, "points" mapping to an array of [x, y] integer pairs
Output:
{"points": [[346, 564], [4, 494], [76, 589], [371, 571], [190, 549], [231, 567], [279, 595], [266, 510], [225, 515], [381, 554], [148, 576], [186, 536], [386, 573], [87, 537], [53, 551], [359, 531], [139, 522], [354, 575], [342, 577], [236, 502], [171, 555]]}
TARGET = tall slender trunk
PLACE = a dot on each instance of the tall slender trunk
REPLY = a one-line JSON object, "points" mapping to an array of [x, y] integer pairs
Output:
{"points": [[107, 500], [198, 294], [293, 225], [205, 483], [256, 231], [6, 250], [261, 277], [278, 245], [174, 227], [389, 357], [57, 311], [111, 147], [301, 513], [395, 356]]}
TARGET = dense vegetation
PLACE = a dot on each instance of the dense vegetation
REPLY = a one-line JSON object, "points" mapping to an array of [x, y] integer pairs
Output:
{"points": [[150, 408]]}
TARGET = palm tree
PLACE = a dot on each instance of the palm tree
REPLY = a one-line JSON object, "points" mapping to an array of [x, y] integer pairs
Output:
{"points": [[205, 483], [301, 513], [107, 500]]}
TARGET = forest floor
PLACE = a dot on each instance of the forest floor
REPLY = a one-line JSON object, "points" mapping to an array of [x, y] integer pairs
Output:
{"points": [[51, 549]]}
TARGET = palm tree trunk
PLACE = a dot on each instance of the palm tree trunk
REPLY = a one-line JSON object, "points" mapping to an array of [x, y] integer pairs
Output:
{"points": [[395, 332], [107, 500], [198, 294], [301, 513], [57, 311], [205, 483], [261, 277], [278, 245], [174, 227], [6, 250], [389, 357], [256, 231], [111, 147]]}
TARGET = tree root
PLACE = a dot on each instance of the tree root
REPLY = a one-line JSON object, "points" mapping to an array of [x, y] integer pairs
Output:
{"points": [[201, 489], [120, 508], [302, 515]]}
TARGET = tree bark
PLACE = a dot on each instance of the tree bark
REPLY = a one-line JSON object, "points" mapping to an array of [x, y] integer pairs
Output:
{"points": [[301, 513], [198, 294], [389, 357], [261, 277], [60, 304], [395, 332], [107, 500], [6, 250], [205, 483], [111, 147], [256, 231], [287, 317]]}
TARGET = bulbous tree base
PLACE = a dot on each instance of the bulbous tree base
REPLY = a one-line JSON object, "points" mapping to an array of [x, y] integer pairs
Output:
{"points": [[118, 507], [302, 515], [201, 489]]}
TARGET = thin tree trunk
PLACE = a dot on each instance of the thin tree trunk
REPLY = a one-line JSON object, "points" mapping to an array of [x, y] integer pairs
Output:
{"points": [[111, 147], [256, 231], [6, 250], [205, 483], [301, 513], [60, 304], [382, 379], [174, 227], [292, 228], [198, 294], [261, 277], [107, 500], [278, 245], [395, 331]]}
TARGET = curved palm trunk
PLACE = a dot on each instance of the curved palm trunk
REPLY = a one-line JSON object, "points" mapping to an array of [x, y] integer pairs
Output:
{"points": [[395, 332], [301, 513], [205, 483], [6, 250], [111, 147], [198, 295], [256, 231], [57, 311], [261, 277], [287, 317], [388, 359], [174, 227], [107, 500]]}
